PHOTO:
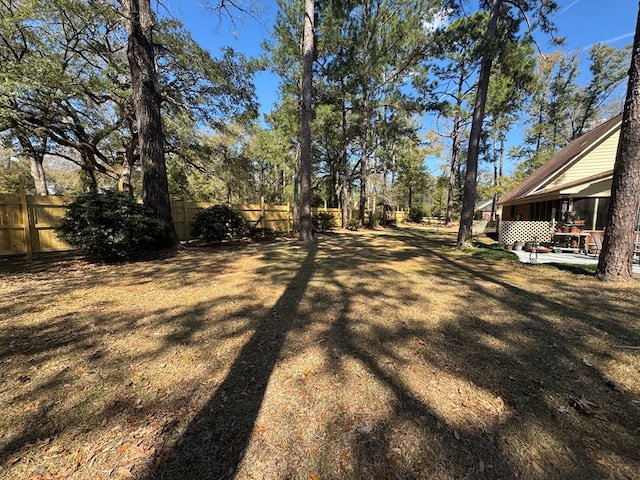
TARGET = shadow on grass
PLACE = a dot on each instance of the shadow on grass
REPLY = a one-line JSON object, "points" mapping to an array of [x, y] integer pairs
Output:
{"points": [[537, 364], [525, 347], [589, 270], [530, 366], [215, 441]]}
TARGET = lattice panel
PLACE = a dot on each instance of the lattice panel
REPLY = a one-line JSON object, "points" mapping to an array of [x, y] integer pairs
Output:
{"points": [[511, 231]]}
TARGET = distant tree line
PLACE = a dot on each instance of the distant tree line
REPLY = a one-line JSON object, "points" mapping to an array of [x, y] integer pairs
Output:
{"points": [[397, 85]]}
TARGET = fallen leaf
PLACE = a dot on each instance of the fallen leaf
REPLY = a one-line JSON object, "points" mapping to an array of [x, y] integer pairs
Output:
{"points": [[313, 476], [537, 467], [585, 406], [365, 429], [124, 472], [66, 473], [456, 434], [481, 466], [136, 451]]}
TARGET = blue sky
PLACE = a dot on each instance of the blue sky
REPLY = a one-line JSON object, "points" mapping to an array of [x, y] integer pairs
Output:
{"points": [[581, 22]]}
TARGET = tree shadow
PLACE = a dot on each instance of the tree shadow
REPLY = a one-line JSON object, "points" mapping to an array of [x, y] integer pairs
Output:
{"points": [[510, 380], [215, 441], [543, 369]]}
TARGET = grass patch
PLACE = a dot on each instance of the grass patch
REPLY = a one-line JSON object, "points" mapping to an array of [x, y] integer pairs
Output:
{"points": [[493, 252], [575, 269], [374, 354]]}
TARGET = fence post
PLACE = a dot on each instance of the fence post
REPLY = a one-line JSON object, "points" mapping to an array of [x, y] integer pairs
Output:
{"points": [[264, 213], [186, 220], [25, 219]]}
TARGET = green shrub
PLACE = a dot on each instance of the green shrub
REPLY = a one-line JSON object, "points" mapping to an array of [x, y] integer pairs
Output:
{"points": [[324, 222], [371, 220], [416, 214], [259, 233], [110, 225], [218, 223], [353, 224]]}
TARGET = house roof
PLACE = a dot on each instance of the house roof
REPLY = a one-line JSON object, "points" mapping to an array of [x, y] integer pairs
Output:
{"points": [[565, 157], [484, 206]]}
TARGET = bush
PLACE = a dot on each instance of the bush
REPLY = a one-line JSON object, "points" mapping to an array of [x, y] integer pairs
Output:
{"points": [[259, 233], [371, 220], [416, 214], [324, 222], [111, 225], [218, 223], [353, 224]]}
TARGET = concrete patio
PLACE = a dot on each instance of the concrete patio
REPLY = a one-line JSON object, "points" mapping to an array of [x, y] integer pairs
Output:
{"points": [[566, 258]]}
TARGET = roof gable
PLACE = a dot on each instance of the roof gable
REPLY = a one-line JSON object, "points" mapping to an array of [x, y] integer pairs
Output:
{"points": [[563, 169]]}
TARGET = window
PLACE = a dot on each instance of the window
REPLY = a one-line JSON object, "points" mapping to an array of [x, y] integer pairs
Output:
{"points": [[585, 208], [542, 211], [603, 209]]}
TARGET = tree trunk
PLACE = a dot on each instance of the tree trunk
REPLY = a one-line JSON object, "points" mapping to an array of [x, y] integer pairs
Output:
{"points": [[38, 175], [147, 100], [344, 167], [306, 224], [455, 149], [469, 196], [125, 183], [615, 262], [364, 147], [362, 209], [35, 153], [88, 179], [296, 190], [344, 196]]}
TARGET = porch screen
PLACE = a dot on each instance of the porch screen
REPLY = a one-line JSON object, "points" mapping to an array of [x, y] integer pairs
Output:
{"points": [[585, 209]]}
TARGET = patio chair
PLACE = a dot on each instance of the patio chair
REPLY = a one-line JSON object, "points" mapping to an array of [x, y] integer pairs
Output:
{"points": [[598, 241]]}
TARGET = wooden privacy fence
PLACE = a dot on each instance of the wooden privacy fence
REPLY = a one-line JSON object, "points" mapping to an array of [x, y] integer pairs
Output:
{"points": [[27, 222], [276, 217]]}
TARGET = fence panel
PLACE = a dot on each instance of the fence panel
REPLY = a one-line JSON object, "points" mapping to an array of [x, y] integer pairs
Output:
{"points": [[336, 213], [44, 214], [184, 213], [12, 235]]}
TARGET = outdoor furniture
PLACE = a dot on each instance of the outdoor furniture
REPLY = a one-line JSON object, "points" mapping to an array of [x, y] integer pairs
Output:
{"points": [[598, 242]]}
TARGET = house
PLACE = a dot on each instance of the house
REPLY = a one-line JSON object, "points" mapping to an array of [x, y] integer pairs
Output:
{"points": [[573, 185], [485, 208]]}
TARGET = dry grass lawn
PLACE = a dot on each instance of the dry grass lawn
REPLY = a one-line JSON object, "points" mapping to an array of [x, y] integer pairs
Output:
{"points": [[366, 355]]}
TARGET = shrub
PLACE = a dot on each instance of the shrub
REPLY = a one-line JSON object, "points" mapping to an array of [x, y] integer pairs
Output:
{"points": [[371, 220], [353, 224], [259, 233], [324, 222], [111, 225], [218, 223], [416, 214]]}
